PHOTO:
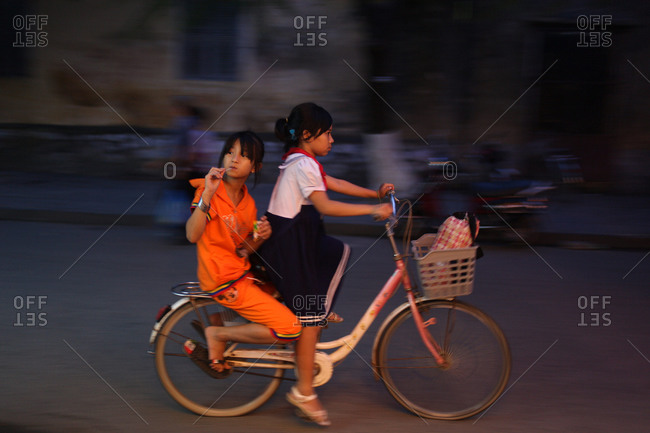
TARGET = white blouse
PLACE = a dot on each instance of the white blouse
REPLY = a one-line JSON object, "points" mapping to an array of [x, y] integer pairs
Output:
{"points": [[299, 177]]}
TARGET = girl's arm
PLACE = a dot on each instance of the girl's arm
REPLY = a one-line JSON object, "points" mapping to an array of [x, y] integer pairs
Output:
{"points": [[195, 225], [337, 208], [348, 188]]}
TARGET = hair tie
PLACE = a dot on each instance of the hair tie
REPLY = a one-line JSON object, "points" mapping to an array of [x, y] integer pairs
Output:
{"points": [[293, 134]]}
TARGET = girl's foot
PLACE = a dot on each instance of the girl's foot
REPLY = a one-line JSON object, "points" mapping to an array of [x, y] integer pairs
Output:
{"points": [[199, 355], [308, 407], [334, 318], [216, 347], [219, 365]]}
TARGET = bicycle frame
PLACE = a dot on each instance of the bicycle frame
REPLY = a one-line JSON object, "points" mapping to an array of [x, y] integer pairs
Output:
{"points": [[471, 358]]}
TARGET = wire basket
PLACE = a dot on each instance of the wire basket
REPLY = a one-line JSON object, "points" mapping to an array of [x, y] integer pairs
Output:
{"points": [[444, 273]]}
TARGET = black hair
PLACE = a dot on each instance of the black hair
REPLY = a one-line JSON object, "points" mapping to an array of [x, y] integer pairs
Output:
{"points": [[304, 117], [252, 147]]}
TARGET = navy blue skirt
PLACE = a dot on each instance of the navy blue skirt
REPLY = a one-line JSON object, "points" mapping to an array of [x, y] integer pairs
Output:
{"points": [[305, 265]]}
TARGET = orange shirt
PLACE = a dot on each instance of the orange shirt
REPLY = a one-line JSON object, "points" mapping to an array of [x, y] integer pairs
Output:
{"points": [[227, 227]]}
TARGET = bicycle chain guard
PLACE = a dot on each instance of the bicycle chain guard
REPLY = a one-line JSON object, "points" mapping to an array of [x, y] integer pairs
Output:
{"points": [[324, 369]]}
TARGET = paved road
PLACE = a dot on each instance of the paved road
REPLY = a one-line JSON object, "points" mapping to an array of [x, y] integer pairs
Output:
{"points": [[576, 321]]}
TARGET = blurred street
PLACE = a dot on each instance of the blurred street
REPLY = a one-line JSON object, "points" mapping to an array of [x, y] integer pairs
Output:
{"points": [[78, 302], [573, 219]]}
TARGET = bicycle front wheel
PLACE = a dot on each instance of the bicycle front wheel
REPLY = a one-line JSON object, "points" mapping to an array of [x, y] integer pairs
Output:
{"points": [[475, 349], [243, 391]]}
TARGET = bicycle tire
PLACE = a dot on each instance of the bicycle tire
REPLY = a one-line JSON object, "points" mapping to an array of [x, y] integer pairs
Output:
{"points": [[237, 394], [474, 346]]}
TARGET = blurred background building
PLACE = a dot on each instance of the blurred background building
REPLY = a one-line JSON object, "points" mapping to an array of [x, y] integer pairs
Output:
{"points": [[533, 78]]}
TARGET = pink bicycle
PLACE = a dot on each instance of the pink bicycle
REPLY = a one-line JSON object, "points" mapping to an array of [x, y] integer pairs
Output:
{"points": [[438, 357]]}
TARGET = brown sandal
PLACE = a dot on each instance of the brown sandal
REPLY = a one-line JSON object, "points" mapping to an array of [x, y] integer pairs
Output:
{"points": [[334, 318], [199, 355]]}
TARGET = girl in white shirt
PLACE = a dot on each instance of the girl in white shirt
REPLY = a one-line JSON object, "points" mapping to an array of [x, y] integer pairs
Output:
{"points": [[304, 263]]}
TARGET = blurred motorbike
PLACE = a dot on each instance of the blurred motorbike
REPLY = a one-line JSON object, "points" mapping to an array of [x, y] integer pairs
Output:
{"points": [[510, 209], [507, 207]]}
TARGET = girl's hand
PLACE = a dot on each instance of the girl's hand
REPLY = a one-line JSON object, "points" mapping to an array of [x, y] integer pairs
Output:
{"points": [[384, 188], [213, 179], [264, 228], [382, 212]]}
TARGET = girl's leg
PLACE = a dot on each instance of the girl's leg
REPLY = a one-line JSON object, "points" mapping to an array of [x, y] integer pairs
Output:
{"points": [[305, 355], [218, 336], [259, 307]]}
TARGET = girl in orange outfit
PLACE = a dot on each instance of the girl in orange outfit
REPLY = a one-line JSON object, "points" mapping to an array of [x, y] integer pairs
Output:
{"points": [[222, 220]]}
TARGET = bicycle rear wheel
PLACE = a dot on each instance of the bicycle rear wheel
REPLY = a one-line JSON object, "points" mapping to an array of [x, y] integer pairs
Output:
{"points": [[243, 391], [476, 351]]}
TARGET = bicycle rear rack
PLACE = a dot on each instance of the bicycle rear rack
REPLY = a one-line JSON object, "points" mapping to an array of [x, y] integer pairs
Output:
{"points": [[190, 288]]}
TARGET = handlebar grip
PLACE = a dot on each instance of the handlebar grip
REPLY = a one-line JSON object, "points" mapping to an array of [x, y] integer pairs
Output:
{"points": [[393, 201]]}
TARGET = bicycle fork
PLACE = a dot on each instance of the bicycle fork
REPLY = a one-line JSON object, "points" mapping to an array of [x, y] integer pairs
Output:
{"points": [[433, 347], [431, 344]]}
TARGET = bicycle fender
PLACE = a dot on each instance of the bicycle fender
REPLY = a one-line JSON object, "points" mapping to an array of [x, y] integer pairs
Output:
{"points": [[163, 319]]}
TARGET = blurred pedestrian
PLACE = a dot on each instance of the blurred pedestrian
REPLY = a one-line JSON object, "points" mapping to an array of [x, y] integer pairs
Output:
{"points": [[202, 144]]}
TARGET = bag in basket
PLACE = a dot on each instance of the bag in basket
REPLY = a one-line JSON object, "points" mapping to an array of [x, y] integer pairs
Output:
{"points": [[446, 274], [458, 231]]}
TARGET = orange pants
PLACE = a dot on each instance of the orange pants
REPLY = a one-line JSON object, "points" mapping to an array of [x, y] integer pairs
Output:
{"points": [[254, 303]]}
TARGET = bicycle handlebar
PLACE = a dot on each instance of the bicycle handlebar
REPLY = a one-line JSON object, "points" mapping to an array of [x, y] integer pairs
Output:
{"points": [[392, 220], [393, 201]]}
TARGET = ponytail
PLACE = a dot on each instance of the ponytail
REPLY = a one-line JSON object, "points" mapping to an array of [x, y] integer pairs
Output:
{"points": [[284, 133], [304, 117]]}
